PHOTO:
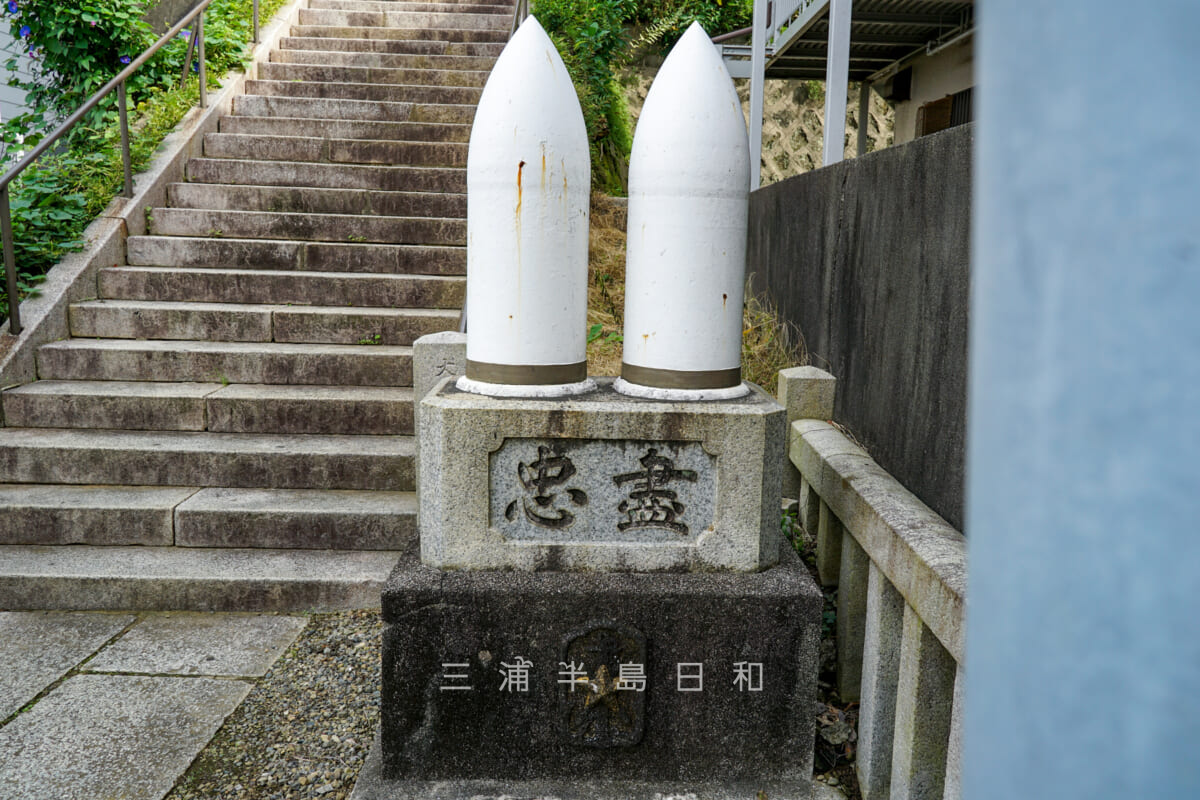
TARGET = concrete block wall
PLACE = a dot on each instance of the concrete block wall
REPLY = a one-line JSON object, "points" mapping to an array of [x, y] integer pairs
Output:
{"points": [[870, 258], [900, 571]]}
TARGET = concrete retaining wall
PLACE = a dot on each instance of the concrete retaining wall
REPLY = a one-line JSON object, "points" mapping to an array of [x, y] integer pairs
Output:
{"points": [[870, 259]]}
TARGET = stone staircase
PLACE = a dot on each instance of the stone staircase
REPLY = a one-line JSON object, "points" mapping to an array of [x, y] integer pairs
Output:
{"points": [[230, 423]]}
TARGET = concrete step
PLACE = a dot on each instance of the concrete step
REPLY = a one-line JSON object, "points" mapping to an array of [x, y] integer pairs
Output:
{"points": [[372, 75], [225, 362], [186, 458], [414, 46], [264, 408], [359, 110], [347, 129], [448, 35], [117, 405], [409, 20], [296, 518], [140, 319], [236, 408], [317, 201], [312, 227], [41, 514], [327, 176], [136, 319], [383, 60], [281, 287], [266, 254], [505, 9], [191, 579], [338, 151], [455, 95]]}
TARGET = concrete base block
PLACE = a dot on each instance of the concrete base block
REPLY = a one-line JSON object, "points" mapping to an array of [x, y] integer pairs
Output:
{"points": [[628, 677], [372, 785], [599, 482]]}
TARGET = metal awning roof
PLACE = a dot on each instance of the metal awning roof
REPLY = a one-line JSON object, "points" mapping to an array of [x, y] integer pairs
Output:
{"points": [[883, 33]]}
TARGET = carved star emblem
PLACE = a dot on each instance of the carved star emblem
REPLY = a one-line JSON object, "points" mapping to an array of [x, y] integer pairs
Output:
{"points": [[603, 689]]}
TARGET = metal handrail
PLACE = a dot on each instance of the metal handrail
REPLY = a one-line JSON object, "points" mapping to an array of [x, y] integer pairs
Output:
{"points": [[519, 15], [196, 42]]}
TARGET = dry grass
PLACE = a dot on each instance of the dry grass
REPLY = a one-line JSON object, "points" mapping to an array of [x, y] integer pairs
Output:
{"points": [[768, 345], [606, 284]]}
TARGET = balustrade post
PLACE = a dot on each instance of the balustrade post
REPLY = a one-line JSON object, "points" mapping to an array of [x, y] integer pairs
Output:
{"points": [[924, 696], [954, 750], [880, 674], [829, 546], [851, 616]]}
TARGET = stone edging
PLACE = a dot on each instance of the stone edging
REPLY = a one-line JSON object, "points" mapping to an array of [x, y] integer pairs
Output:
{"points": [[74, 279]]}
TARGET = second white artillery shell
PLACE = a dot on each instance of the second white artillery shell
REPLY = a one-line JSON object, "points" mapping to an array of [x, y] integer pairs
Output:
{"points": [[528, 182], [686, 252]]}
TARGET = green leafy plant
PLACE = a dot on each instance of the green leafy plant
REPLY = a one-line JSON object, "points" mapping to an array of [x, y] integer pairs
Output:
{"points": [[594, 41], [375, 338], [71, 51]]}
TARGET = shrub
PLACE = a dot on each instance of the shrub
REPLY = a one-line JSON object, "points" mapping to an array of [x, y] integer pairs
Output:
{"points": [[73, 51]]}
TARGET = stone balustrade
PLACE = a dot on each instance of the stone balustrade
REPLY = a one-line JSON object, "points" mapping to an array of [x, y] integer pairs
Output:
{"points": [[900, 570]]}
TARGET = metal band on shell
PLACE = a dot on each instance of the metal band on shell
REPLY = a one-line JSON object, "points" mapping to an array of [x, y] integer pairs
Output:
{"points": [[526, 374], [681, 379]]}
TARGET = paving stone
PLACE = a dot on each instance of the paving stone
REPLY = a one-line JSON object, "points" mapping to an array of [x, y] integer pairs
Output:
{"points": [[201, 644], [113, 736], [38, 647]]}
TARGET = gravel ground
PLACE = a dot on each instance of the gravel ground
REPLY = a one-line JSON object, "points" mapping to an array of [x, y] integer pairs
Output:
{"points": [[307, 725]]}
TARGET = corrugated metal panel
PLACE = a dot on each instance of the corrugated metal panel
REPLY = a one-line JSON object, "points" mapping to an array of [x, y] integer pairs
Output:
{"points": [[882, 32]]}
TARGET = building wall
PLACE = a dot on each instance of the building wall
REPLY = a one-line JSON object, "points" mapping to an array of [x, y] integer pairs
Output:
{"points": [[870, 259], [12, 100], [934, 77]]}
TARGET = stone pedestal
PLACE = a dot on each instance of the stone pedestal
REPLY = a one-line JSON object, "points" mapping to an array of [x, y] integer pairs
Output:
{"points": [[554, 684], [601, 608], [601, 481]]}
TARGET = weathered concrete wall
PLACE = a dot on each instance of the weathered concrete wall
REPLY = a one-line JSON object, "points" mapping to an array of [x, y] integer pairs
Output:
{"points": [[165, 13], [870, 258]]}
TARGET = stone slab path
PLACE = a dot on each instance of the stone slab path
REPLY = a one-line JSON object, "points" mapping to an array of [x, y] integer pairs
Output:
{"points": [[117, 705]]}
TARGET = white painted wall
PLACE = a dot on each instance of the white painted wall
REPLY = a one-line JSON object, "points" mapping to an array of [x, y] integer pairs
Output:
{"points": [[12, 100], [934, 77]]}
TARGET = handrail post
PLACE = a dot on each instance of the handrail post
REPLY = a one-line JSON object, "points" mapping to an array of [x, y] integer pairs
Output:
{"points": [[187, 60], [10, 264], [126, 160], [256, 21], [203, 72]]}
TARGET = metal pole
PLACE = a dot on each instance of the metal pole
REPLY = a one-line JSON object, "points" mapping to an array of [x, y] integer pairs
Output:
{"points": [[203, 71], [256, 21], [10, 264], [126, 159], [187, 61], [837, 73], [864, 116], [758, 74]]}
